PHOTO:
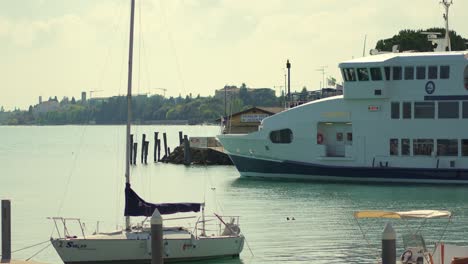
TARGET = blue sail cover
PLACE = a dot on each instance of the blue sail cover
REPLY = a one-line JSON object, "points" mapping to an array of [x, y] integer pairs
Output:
{"points": [[136, 206]]}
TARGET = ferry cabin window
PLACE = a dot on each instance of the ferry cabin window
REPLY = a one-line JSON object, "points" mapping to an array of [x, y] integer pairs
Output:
{"points": [[281, 136], [387, 73], [465, 109], [395, 110], [409, 73], [464, 147], [376, 74], [407, 110], [448, 110], [393, 147], [397, 73], [405, 147], [432, 72], [421, 72], [350, 75], [424, 109], [447, 147], [445, 72], [363, 74], [423, 147]]}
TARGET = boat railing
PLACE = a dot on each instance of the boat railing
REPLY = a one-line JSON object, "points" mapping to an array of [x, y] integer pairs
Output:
{"points": [[217, 225], [64, 222]]}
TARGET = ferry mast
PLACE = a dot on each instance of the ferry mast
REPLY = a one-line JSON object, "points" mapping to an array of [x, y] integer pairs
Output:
{"points": [[447, 4]]}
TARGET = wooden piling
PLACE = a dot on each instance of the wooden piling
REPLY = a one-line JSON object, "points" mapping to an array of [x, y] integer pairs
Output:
{"points": [[155, 146], [131, 149], [159, 150], [165, 144], [187, 153], [157, 242], [6, 230], [143, 140], [181, 138], [146, 151], [135, 149]]}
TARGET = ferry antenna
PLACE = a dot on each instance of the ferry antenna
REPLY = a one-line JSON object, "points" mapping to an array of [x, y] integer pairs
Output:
{"points": [[447, 4]]}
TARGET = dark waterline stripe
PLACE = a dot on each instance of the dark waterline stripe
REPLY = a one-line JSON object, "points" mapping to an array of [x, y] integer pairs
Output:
{"points": [[445, 97]]}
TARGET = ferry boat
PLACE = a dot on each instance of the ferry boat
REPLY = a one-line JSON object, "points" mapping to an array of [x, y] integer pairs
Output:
{"points": [[403, 117]]}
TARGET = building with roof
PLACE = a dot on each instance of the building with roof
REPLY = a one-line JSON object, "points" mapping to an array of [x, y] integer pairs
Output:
{"points": [[248, 120]]}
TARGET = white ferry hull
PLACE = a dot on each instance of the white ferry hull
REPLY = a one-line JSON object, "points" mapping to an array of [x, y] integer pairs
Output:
{"points": [[139, 251]]}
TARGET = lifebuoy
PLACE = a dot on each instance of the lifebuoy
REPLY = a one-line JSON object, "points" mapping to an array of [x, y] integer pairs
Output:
{"points": [[319, 138]]}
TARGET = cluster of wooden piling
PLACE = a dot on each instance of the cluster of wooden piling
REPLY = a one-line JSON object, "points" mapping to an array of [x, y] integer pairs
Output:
{"points": [[145, 148], [182, 154]]}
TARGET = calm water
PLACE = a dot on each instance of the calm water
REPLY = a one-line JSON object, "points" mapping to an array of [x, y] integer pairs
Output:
{"points": [[77, 171]]}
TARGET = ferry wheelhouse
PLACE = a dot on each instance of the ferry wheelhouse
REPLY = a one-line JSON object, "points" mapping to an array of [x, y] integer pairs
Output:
{"points": [[403, 117]]}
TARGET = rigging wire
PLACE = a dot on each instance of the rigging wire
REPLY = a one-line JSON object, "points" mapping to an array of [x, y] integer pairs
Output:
{"points": [[171, 43]]}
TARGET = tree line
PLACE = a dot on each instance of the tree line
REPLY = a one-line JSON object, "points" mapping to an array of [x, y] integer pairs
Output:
{"points": [[145, 109]]}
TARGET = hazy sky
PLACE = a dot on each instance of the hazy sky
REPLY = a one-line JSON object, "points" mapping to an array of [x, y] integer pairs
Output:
{"points": [[62, 47]]}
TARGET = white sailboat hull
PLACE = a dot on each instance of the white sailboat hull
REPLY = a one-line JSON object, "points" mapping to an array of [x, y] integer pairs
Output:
{"points": [[136, 248]]}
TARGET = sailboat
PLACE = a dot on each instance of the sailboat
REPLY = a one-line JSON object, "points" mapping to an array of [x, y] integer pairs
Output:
{"points": [[133, 243]]}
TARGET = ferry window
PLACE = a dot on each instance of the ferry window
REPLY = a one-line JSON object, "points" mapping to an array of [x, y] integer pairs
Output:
{"points": [[407, 110], [339, 136], [444, 72], [421, 72], [432, 72], [405, 147], [281, 136], [465, 147], [349, 137], [363, 74], [447, 147], [393, 147], [376, 74], [409, 73], [395, 110], [423, 147], [424, 109], [350, 74], [387, 73], [448, 109], [465, 109], [397, 73]]}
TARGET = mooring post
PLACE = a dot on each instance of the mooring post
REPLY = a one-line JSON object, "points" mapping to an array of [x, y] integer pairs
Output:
{"points": [[143, 140], [146, 151], [155, 146], [157, 238], [165, 144], [388, 245], [6, 230], [181, 138], [131, 149], [159, 150], [187, 152], [168, 154], [135, 149]]}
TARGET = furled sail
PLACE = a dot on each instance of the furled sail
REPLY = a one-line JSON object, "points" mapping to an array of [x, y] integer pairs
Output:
{"points": [[136, 206]]}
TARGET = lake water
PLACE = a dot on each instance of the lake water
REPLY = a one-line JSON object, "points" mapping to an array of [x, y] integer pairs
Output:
{"points": [[78, 171]]}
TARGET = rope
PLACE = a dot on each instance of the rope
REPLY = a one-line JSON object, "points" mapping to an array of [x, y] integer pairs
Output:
{"points": [[30, 246], [42, 249]]}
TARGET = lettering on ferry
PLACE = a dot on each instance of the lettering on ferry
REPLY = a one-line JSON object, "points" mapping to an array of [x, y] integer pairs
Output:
{"points": [[373, 108], [430, 87]]}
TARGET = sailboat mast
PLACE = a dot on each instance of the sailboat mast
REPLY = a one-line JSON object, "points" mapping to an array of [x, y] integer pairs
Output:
{"points": [[129, 104]]}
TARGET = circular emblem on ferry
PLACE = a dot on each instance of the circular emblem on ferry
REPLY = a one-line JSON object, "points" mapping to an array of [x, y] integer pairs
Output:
{"points": [[430, 87]]}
